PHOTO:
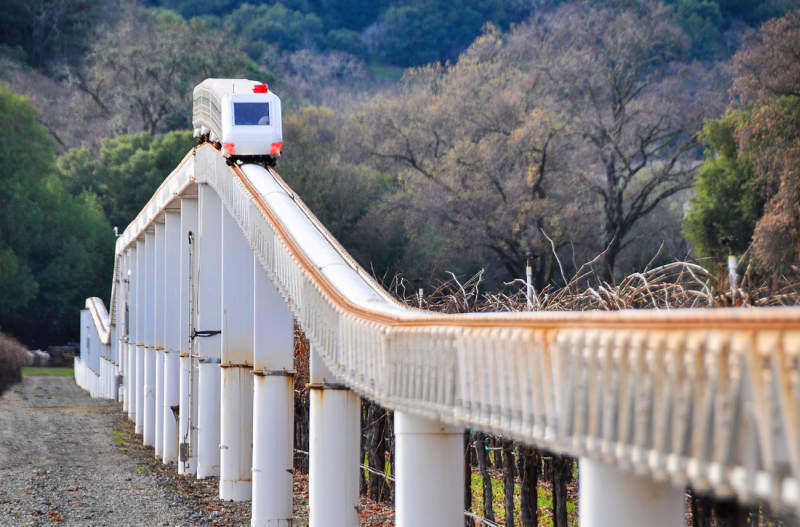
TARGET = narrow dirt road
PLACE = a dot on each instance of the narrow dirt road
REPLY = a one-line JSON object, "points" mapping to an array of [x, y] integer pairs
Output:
{"points": [[59, 463]]}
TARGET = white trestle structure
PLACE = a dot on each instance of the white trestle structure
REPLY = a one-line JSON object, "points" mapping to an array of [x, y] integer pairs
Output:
{"points": [[214, 273]]}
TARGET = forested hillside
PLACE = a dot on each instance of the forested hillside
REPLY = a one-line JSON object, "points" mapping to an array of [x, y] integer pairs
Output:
{"points": [[428, 136]]}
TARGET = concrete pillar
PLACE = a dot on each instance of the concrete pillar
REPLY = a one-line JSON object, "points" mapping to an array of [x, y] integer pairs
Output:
{"points": [[149, 423], [209, 319], [158, 343], [429, 464], [334, 441], [172, 331], [611, 497], [189, 376], [236, 411], [141, 302], [273, 405]]}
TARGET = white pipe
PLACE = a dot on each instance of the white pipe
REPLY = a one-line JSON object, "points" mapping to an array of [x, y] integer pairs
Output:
{"points": [[609, 497], [236, 417], [187, 420], [334, 441], [208, 420], [187, 435], [429, 460], [273, 405], [158, 340], [209, 318]]}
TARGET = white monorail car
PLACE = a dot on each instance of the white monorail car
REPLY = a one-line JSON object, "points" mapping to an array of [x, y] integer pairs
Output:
{"points": [[241, 117]]}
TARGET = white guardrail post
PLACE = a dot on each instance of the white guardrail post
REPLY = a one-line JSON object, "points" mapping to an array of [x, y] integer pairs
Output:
{"points": [[149, 424], [172, 333], [236, 366], [334, 441], [209, 319], [273, 405], [610, 497], [158, 342], [429, 460], [189, 375], [141, 302]]}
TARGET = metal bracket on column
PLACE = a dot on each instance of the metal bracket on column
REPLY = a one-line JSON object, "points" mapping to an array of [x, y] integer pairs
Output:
{"points": [[327, 386], [275, 373], [205, 333]]}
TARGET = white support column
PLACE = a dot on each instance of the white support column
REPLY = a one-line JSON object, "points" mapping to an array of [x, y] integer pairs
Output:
{"points": [[209, 318], [611, 497], [334, 442], [236, 367], [189, 375], [429, 460], [130, 355], [141, 302], [172, 331], [149, 424], [158, 313], [122, 321], [273, 405]]}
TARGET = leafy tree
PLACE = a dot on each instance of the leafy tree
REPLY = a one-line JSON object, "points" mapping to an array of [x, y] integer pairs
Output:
{"points": [[702, 21], [142, 71], [47, 29], [632, 119], [478, 154], [126, 173], [54, 248], [266, 25], [727, 201], [767, 79]]}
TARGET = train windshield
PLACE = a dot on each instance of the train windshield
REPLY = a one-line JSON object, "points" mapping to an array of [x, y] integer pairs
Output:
{"points": [[251, 113]]}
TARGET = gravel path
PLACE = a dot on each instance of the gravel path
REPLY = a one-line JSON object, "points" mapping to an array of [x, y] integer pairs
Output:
{"points": [[59, 463]]}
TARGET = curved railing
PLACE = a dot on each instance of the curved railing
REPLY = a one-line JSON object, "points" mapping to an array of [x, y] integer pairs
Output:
{"points": [[700, 397]]}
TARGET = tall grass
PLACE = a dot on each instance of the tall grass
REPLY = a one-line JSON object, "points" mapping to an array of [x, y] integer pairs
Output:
{"points": [[12, 358]]}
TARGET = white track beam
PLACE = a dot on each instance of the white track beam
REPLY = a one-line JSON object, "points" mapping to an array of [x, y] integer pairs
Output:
{"points": [[611, 497], [172, 332], [189, 375], [158, 343], [236, 412], [149, 423], [141, 302], [334, 442], [273, 405], [209, 318], [428, 453]]}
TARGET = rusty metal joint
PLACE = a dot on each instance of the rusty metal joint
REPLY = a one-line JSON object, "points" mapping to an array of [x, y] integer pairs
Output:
{"points": [[205, 333], [327, 386], [234, 365], [275, 373]]}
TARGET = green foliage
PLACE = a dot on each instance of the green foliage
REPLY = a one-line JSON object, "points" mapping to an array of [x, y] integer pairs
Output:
{"points": [[266, 25], [128, 171], [53, 246], [727, 202], [45, 29], [702, 21]]}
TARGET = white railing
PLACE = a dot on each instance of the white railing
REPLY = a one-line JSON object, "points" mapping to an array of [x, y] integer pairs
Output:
{"points": [[650, 401]]}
